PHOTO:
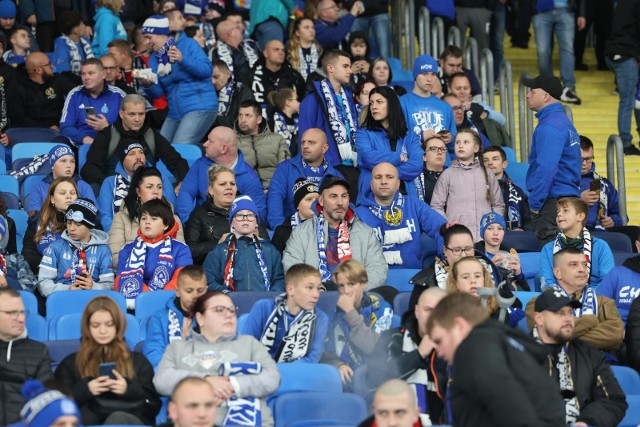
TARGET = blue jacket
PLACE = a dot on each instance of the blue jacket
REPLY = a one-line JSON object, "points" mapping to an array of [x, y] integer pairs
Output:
{"points": [[442, 8], [427, 113], [612, 209], [246, 274], [188, 86], [330, 34], [73, 121], [108, 27], [39, 192], [280, 195], [157, 338], [622, 285], [62, 55], [257, 323], [601, 263], [193, 191], [373, 148], [105, 197], [313, 114], [261, 10], [418, 217], [554, 160]]}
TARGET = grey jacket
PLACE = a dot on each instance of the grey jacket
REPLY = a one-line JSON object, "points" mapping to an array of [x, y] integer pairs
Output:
{"points": [[302, 247], [200, 358], [461, 195]]}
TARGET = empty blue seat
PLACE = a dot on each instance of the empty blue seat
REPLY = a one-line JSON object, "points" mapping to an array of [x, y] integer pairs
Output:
{"points": [[67, 302], [318, 408], [29, 300], [525, 297], [511, 154], [22, 135], [521, 241], [28, 150], [401, 303], [402, 76], [148, 303], [242, 323], [36, 326], [620, 257], [21, 218], [27, 186], [82, 155], [518, 174], [9, 184], [618, 242], [632, 416], [628, 378], [406, 84], [327, 302], [299, 376], [60, 349], [395, 65], [399, 278], [245, 300], [530, 262], [189, 152], [67, 327], [10, 199]]}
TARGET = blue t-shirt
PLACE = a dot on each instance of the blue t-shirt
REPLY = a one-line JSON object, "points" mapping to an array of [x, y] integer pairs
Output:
{"points": [[332, 249]]}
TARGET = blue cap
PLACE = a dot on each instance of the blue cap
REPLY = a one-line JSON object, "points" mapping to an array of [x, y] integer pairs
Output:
{"points": [[58, 152], [44, 406], [491, 218], [424, 64], [155, 24], [8, 9], [243, 203]]}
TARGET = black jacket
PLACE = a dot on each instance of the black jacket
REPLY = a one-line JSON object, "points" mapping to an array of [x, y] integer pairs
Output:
{"points": [[632, 334], [429, 179], [34, 105], [281, 234], [602, 401], [20, 360], [100, 166], [240, 94], [624, 39], [263, 81], [95, 409], [206, 225]]}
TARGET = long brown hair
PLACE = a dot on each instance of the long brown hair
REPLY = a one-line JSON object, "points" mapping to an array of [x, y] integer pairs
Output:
{"points": [[48, 213], [452, 280], [92, 354], [294, 44], [478, 143]]}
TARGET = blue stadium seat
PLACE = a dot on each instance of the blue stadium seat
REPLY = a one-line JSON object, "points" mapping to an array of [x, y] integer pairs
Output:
{"points": [[21, 218], [360, 385], [511, 154], [245, 300], [618, 242], [21, 135], [530, 262], [9, 184], [632, 417], [327, 302], [28, 150], [518, 174], [67, 327], [521, 241], [27, 186], [67, 302], [82, 155], [60, 349], [429, 249], [399, 278], [148, 303], [29, 300], [403, 76], [401, 303], [315, 408], [36, 326], [395, 65], [10, 199], [242, 323], [525, 297], [406, 84], [620, 257], [299, 376], [628, 378], [189, 152]]}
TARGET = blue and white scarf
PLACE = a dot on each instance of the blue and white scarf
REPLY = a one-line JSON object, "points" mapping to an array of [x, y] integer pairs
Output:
{"points": [[75, 60], [393, 228], [224, 97], [342, 123], [603, 201], [243, 411], [120, 190], [308, 63], [587, 246], [224, 53], [177, 331], [295, 220], [514, 219], [589, 301], [281, 127], [315, 174], [164, 64]]}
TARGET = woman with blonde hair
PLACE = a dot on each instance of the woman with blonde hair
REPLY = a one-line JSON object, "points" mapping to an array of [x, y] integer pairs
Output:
{"points": [[304, 50], [110, 383], [108, 26]]}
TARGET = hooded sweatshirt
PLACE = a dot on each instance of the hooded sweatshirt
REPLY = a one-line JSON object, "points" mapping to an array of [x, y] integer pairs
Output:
{"points": [[622, 285], [108, 28]]}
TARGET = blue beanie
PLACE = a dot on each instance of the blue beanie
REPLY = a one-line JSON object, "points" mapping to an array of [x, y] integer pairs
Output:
{"points": [[155, 24], [491, 218], [424, 64], [243, 203], [44, 406], [58, 152], [8, 9]]}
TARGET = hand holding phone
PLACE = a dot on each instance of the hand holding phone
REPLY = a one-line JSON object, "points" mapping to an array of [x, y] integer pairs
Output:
{"points": [[90, 111], [106, 370], [595, 185]]}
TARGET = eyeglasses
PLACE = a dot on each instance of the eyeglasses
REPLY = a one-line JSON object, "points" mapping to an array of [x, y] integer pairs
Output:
{"points": [[334, 6], [48, 64], [458, 108], [221, 309], [588, 159], [437, 149], [245, 217], [14, 314], [458, 251]]}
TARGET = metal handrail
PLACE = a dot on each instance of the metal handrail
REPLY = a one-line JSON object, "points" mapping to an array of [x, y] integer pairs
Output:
{"points": [[437, 36], [396, 27], [453, 37], [424, 30], [506, 98], [486, 77], [615, 143], [409, 33], [471, 54], [568, 111], [526, 119]]}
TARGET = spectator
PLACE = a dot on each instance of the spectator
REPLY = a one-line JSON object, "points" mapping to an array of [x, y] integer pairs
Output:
{"points": [[239, 55], [11, 245], [286, 116], [47, 407], [112, 72], [248, 372], [126, 394], [380, 73], [435, 156], [48, 227], [20, 43], [230, 94], [303, 48], [598, 321], [462, 121], [335, 235], [184, 75], [140, 45], [477, 111], [305, 194], [262, 149], [153, 260], [517, 212], [261, 263], [357, 323], [63, 164], [476, 15], [90, 107], [23, 359], [470, 342], [72, 48], [108, 26], [269, 20], [192, 402], [37, 99], [426, 114], [361, 96], [621, 285], [80, 259], [590, 391], [127, 61], [395, 404], [331, 29], [196, 34], [220, 148], [209, 223], [374, 21], [554, 158], [450, 200], [571, 217], [132, 124], [398, 220], [450, 62], [174, 321], [359, 50], [8, 13], [290, 325], [177, 22], [146, 184]]}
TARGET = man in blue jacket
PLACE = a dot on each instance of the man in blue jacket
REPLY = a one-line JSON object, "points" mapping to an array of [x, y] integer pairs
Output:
{"points": [[554, 160], [221, 147], [331, 29]]}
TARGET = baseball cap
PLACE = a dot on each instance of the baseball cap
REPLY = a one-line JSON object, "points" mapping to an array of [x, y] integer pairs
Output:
{"points": [[554, 300], [330, 180], [549, 83]]}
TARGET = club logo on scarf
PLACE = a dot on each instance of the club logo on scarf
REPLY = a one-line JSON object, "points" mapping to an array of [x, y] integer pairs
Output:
{"points": [[393, 216], [128, 287], [160, 278]]}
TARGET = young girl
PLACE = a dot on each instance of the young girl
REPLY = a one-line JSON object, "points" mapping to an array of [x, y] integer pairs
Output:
{"points": [[151, 262], [285, 116], [258, 262], [466, 191], [361, 96], [81, 258], [304, 50]]}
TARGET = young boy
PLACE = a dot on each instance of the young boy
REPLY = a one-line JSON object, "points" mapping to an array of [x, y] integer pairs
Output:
{"points": [[152, 261], [81, 258], [358, 321], [259, 262], [518, 215], [21, 43], [173, 321], [289, 325], [571, 219]]}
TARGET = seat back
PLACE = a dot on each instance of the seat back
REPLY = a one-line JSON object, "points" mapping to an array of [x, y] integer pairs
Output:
{"points": [[67, 327], [245, 300], [60, 349], [511, 154], [401, 303], [67, 302], [628, 378], [317, 408], [28, 150], [518, 174], [148, 303], [82, 155], [328, 302], [21, 218], [22, 135], [36, 327], [399, 278], [521, 241], [620, 257], [27, 187], [243, 319], [189, 152], [300, 376], [618, 242], [10, 185]]}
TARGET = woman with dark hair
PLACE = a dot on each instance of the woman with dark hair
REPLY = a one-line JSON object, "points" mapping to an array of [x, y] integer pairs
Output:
{"points": [[380, 73], [110, 383], [384, 137], [361, 97], [146, 184]]}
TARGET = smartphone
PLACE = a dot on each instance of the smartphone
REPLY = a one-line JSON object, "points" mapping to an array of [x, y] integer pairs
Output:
{"points": [[106, 370], [90, 111], [595, 185]]}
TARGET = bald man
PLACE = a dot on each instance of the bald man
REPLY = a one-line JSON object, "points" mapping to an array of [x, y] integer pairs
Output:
{"points": [[38, 98], [221, 148], [397, 219], [193, 403], [309, 165], [394, 405], [408, 353], [239, 55]]}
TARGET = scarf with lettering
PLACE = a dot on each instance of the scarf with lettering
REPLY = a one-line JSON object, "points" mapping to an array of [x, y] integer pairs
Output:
{"points": [[344, 245], [230, 264], [162, 54], [120, 190], [514, 219], [441, 268], [308, 66], [393, 228], [176, 330], [585, 240], [224, 53], [297, 338], [281, 127], [419, 379], [315, 174], [242, 411], [420, 180], [75, 59], [224, 97], [295, 220], [588, 299], [603, 201], [342, 123]]}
